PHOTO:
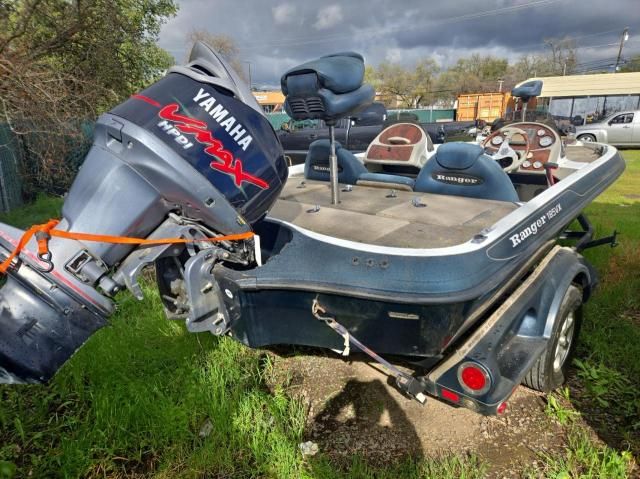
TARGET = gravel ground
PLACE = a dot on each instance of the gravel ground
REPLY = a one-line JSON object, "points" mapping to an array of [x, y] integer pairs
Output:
{"points": [[353, 408]]}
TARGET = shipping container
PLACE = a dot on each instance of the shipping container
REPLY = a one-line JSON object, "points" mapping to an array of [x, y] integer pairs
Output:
{"points": [[482, 106]]}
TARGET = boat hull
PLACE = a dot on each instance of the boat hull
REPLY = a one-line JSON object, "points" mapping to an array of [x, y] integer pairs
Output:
{"points": [[402, 301]]}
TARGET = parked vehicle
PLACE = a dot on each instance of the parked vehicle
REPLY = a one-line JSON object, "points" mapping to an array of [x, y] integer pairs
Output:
{"points": [[458, 274], [619, 129], [355, 133]]}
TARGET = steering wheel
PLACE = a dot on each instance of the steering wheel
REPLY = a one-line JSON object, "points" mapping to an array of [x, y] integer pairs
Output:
{"points": [[505, 151]]}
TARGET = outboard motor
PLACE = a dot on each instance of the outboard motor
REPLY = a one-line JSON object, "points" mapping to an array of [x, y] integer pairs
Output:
{"points": [[191, 157]]}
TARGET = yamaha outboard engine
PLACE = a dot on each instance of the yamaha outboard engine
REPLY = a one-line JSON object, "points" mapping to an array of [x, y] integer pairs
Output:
{"points": [[190, 157]]}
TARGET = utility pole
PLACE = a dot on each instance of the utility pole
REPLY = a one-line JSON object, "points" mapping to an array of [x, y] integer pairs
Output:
{"points": [[625, 37], [564, 69], [250, 84], [500, 82]]}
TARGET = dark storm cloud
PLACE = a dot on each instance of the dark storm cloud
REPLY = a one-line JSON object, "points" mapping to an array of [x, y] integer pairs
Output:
{"points": [[276, 34]]}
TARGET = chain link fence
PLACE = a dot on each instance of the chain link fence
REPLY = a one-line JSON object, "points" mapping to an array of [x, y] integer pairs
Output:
{"points": [[11, 158], [40, 161]]}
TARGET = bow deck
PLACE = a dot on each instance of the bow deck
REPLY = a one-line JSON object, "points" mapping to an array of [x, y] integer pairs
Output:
{"points": [[368, 215]]}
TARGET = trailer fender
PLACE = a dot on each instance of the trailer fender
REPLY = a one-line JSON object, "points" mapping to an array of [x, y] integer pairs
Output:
{"points": [[567, 270], [510, 341]]}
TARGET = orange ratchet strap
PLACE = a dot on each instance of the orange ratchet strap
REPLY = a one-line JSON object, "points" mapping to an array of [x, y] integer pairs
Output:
{"points": [[44, 232]]}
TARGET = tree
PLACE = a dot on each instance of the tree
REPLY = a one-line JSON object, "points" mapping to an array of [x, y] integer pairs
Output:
{"points": [[65, 61], [425, 75], [371, 76], [562, 56], [224, 45], [633, 65], [411, 86], [527, 66], [470, 75]]}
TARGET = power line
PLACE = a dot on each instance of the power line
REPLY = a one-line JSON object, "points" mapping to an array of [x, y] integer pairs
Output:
{"points": [[570, 38], [615, 44], [591, 62], [375, 31]]}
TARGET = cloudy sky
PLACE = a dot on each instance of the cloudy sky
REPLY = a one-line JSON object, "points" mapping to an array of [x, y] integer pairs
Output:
{"points": [[274, 35]]}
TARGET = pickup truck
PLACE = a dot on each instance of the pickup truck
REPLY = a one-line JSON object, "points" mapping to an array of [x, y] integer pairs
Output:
{"points": [[355, 134], [619, 129], [296, 136]]}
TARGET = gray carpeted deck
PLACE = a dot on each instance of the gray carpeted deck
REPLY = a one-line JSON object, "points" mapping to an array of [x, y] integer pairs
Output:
{"points": [[366, 215]]}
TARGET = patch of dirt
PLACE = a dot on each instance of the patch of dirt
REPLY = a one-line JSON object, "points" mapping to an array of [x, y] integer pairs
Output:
{"points": [[353, 408], [633, 316]]}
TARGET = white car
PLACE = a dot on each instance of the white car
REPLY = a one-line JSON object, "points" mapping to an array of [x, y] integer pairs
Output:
{"points": [[619, 129]]}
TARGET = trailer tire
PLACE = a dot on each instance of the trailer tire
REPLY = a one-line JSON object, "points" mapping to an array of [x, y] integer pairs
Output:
{"points": [[550, 371]]}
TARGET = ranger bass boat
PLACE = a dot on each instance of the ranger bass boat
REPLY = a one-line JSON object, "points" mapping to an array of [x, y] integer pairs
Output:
{"points": [[452, 269]]}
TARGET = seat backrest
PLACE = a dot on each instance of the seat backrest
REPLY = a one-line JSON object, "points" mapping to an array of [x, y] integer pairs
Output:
{"points": [[463, 169], [316, 166], [328, 88], [527, 90]]}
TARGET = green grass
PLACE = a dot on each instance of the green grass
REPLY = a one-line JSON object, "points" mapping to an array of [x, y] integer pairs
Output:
{"points": [[608, 363], [583, 459], [133, 401], [135, 398], [40, 211]]}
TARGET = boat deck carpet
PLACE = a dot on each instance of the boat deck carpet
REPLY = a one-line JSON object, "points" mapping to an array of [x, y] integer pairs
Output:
{"points": [[368, 214]]}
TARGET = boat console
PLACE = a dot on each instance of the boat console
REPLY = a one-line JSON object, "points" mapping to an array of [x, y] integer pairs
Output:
{"points": [[524, 147], [403, 144]]}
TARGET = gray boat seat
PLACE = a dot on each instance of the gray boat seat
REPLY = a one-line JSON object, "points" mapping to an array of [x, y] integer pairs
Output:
{"points": [[328, 88], [316, 165], [463, 169], [350, 170], [528, 90]]}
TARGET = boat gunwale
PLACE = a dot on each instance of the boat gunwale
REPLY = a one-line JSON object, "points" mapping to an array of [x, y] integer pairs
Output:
{"points": [[491, 234]]}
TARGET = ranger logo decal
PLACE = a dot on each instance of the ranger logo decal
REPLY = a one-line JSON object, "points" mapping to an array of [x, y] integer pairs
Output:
{"points": [[460, 179], [535, 226]]}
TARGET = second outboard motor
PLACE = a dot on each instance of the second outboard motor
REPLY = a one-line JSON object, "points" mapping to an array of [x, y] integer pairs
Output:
{"points": [[191, 157]]}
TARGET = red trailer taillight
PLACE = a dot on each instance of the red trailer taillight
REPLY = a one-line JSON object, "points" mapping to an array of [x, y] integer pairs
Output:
{"points": [[449, 395], [474, 378]]}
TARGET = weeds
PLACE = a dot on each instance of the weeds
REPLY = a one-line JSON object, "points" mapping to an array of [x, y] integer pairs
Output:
{"points": [[556, 407], [609, 387], [583, 459]]}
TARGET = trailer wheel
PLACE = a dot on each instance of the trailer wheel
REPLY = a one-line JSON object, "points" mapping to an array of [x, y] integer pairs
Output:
{"points": [[550, 371]]}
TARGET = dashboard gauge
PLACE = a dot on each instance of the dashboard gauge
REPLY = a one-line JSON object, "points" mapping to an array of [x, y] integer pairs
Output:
{"points": [[541, 132], [537, 165], [546, 141], [497, 140], [526, 164]]}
